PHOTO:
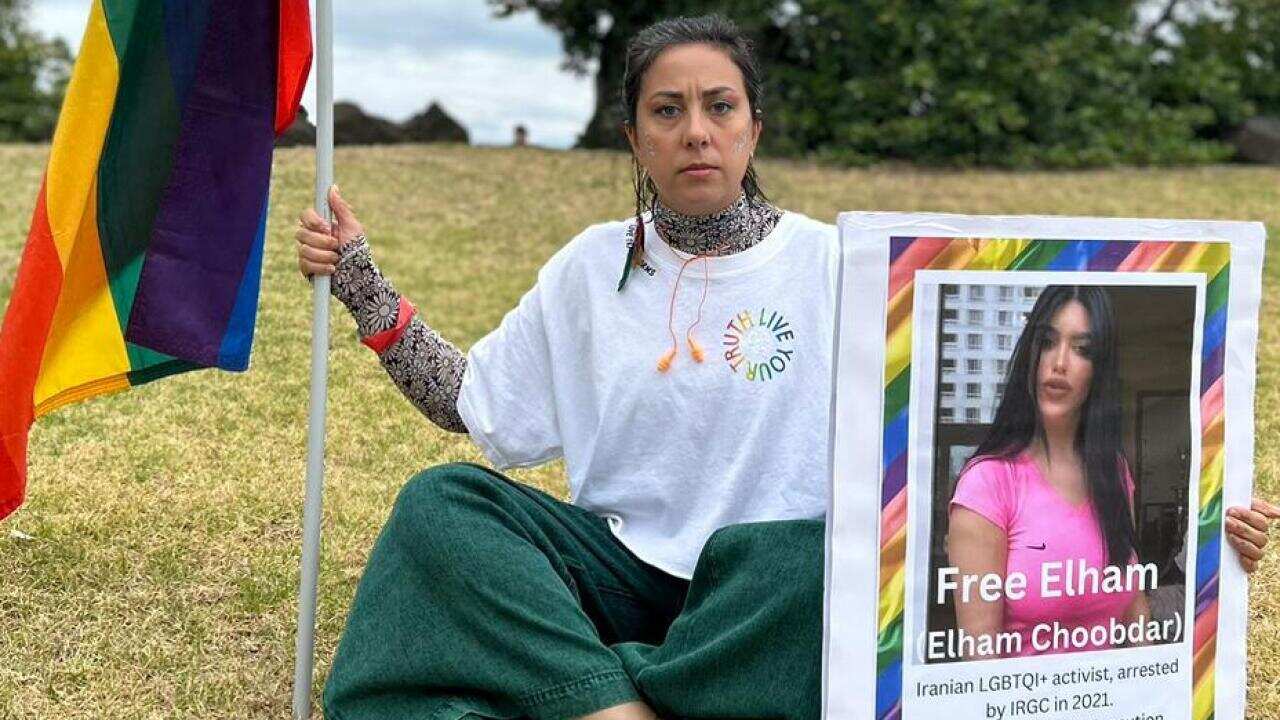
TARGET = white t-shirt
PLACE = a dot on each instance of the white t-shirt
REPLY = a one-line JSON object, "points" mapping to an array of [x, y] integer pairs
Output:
{"points": [[668, 458]]}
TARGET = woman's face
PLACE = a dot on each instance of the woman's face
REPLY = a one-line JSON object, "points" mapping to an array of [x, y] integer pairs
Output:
{"points": [[694, 131], [1065, 370]]}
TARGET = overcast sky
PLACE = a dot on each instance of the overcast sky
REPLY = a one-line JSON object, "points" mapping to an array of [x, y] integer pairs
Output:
{"points": [[394, 57]]}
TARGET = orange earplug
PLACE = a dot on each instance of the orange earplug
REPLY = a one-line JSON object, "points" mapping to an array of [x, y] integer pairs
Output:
{"points": [[695, 350], [665, 363]]}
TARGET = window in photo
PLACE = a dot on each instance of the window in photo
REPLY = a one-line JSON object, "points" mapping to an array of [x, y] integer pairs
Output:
{"points": [[1004, 342], [951, 291], [1006, 292], [976, 292], [973, 341], [948, 364], [973, 365], [947, 414], [1004, 318], [947, 390], [948, 340], [973, 390], [971, 414], [950, 315], [975, 317]]}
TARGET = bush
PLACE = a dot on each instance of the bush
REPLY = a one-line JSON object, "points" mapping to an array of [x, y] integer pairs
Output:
{"points": [[1006, 83], [33, 77]]}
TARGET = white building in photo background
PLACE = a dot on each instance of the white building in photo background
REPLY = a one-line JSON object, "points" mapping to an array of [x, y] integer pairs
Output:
{"points": [[980, 326]]}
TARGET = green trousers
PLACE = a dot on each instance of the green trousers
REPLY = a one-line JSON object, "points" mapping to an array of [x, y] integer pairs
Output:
{"points": [[490, 598]]}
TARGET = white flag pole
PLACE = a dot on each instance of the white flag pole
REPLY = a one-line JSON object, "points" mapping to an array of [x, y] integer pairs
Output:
{"points": [[310, 563]]}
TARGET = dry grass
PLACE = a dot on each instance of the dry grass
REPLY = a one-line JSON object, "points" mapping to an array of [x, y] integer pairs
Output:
{"points": [[161, 579]]}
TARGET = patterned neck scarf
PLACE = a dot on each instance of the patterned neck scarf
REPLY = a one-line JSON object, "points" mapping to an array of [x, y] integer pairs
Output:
{"points": [[734, 229]]}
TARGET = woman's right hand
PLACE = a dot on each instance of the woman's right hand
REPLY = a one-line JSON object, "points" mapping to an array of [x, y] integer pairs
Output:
{"points": [[319, 242]]}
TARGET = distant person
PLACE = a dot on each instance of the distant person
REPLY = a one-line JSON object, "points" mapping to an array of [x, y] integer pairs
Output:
{"points": [[680, 363], [522, 136]]}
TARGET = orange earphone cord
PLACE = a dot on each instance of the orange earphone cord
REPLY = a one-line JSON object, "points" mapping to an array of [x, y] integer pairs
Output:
{"points": [[664, 363]]}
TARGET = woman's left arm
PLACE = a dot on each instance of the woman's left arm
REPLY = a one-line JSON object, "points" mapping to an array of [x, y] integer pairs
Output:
{"points": [[1247, 531]]}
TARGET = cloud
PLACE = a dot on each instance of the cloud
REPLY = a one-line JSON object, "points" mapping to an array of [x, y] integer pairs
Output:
{"points": [[61, 18], [439, 29], [486, 90], [394, 57]]}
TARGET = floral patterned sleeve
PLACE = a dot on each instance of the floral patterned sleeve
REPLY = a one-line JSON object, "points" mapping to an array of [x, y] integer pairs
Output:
{"points": [[426, 367]]}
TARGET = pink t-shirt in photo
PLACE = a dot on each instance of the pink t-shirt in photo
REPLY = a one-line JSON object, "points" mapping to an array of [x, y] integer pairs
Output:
{"points": [[1041, 526]]}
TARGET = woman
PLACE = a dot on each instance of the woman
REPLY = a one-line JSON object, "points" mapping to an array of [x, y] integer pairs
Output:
{"points": [[1050, 487], [486, 597]]}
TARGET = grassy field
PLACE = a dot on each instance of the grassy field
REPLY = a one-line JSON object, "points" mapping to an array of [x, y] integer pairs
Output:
{"points": [[160, 577]]}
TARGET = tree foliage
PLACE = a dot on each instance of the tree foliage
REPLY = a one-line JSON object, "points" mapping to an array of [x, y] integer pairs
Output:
{"points": [[1012, 83], [594, 34], [33, 77], [992, 82], [1234, 46]]}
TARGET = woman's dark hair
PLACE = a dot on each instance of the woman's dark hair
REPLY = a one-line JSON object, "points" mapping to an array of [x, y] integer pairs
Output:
{"points": [[1017, 420], [649, 43]]}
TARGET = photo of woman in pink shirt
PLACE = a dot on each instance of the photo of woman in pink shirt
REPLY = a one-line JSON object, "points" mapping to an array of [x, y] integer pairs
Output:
{"points": [[1045, 503]]}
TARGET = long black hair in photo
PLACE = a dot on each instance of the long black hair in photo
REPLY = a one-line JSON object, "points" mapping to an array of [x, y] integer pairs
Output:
{"points": [[1017, 420]]}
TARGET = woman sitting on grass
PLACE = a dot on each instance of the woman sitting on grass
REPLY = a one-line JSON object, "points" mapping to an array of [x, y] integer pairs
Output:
{"points": [[680, 362]]}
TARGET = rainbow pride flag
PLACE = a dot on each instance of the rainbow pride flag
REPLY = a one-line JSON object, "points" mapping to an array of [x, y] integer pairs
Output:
{"points": [[145, 248], [910, 254]]}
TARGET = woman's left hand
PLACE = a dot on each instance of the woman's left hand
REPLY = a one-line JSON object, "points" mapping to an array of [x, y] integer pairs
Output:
{"points": [[1247, 531]]}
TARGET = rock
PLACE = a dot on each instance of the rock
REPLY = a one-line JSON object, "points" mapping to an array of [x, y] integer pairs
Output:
{"points": [[353, 126], [434, 125], [301, 132], [1258, 140]]}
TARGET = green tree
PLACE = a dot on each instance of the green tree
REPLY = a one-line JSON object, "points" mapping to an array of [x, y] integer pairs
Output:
{"points": [[594, 34], [1231, 46], [33, 77], [1015, 83], [992, 82]]}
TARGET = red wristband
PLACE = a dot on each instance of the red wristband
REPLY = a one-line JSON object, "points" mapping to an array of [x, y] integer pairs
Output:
{"points": [[379, 342]]}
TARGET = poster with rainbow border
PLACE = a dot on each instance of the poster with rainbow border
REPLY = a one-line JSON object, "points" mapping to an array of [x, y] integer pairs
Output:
{"points": [[1038, 423]]}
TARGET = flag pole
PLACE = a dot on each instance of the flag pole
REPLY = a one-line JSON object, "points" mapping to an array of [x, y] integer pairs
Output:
{"points": [[310, 562]]}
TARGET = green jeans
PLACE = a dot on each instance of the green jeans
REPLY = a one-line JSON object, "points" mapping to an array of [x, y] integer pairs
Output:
{"points": [[490, 598]]}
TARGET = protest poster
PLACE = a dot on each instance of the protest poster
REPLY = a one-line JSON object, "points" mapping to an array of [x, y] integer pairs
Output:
{"points": [[952, 334]]}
